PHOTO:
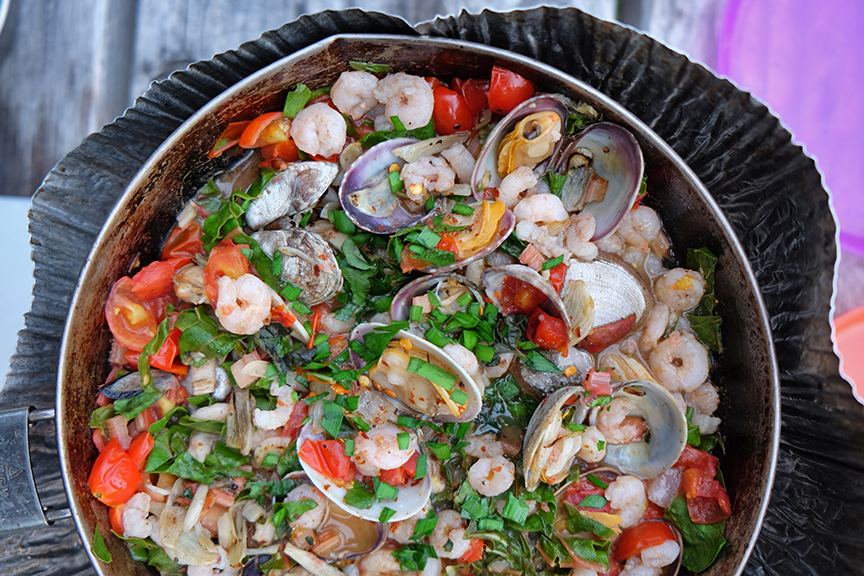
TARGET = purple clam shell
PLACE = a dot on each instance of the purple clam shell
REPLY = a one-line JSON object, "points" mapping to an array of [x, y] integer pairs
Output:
{"points": [[618, 159], [400, 308], [508, 223], [488, 158], [367, 171]]}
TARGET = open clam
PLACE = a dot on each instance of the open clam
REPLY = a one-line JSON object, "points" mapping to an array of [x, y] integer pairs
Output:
{"points": [[494, 280], [366, 196], [448, 288], [604, 168], [308, 262], [529, 135], [411, 498], [291, 191], [421, 378]]}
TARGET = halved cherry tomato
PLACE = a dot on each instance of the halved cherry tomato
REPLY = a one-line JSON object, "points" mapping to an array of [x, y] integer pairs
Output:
{"points": [[653, 512], [115, 514], [475, 92], [433, 82], [519, 296], [164, 358], [153, 281], [448, 243], [707, 501], [130, 321], [604, 336], [268, 128], [578, 491], [694, 458], [184, 243], [115, 475], [451, 114], [637, 538], [507, 90], [226, 259], [140, 449], [474, 553], [286, 151], [556, 276], [228, 139], [398, 476], [546, 331], [328, 457]]}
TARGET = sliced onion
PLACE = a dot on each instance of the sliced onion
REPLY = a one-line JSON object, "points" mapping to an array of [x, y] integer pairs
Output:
{"points": [[430, 146], [118, 428], [311, 562], [244, 380], [171, 519], [195, 507]]}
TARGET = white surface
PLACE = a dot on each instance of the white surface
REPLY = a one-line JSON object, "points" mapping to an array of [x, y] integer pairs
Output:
{"points": [[16, 288]]}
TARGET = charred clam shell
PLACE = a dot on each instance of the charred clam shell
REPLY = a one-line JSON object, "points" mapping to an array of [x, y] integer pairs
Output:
{"points": [[291, 191], [130, 385], [308, 262], [414, 393], [366, 196]]}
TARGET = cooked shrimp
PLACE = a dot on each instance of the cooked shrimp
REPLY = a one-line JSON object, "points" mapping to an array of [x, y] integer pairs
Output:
{"points": [[703, 399], [382, 563], [612, 244], [501, 368], [402, 531], [484, 446], [491, 476], [540, 208], [658, 323], [264, 532], [513, 187], [549, 245], [680, 362], [616, 424], [135, 514], [220, 568], [332, 325], [680, 289], [189, 284], [354, 93], [273, 419], [706, 424], [627, 496], [463, 357], [461, 161], [645, 222], [431, 172], [218, 411], [579, 232], [561, 455], [378, 449], [200, 445], [590, 450], [326, 230], [319, 130], [450, 528], [311, 519], [407, 97], [661, 555], [243, 304]]}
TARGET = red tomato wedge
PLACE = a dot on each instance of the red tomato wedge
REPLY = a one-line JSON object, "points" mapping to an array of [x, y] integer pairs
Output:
{"points": [[474, 553], [707, 501], [328, 457], [153, 281], [115, 475], [448, 243], [546, 331], [557, 275], [226, 259], [183, 243], [140, 449], [269, 128], [694, 458], [475, 92], [598, 383], [228, 139], [507, 90], [519, 296], [637, 538], [164, 358], [401, 475], [450, 113], [131, 323], [115, 514], [286, 151]]}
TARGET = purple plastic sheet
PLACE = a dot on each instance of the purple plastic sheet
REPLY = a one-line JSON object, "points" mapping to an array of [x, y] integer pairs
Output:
{"points": [[804, 59]]}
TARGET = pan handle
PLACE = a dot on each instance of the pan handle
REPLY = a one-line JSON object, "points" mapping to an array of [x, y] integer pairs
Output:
{"points": [[20, 508]]}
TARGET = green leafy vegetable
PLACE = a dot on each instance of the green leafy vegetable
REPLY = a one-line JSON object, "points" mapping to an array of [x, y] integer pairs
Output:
{"points": [[413, 557], [370, 67], [702, 542], [540, 363], [359, 496], [99, 549]]}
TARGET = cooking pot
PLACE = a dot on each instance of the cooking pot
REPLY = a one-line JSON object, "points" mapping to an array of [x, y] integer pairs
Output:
{"points": [[746, 374]]}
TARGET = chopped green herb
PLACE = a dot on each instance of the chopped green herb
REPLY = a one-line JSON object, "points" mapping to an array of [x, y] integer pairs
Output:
{"points": [[291, 292], [475, 508], [463, 209], [490, 524], [403, 438], [515, 509], [469, 339], [386, 514], [420, 470], [396, 183], [370, 67], [270, 460], [552, 263], [342, 222], [459, 397], [600, 401], [439, 376], [593, 501], [385, 491], [540, 363], [439, 449], [359, 496], [485, 353], [296, 101], [301, 308], [416, 314], [425, 526], [305, 220], [349, 447], [413, 557], [99, 549]]}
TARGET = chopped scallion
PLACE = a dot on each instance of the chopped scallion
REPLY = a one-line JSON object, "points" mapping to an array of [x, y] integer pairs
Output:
{"points": [[490, 524], [459, 397], [396, 183], [291, 292], [342, 222], [597, 481], [552, 263], [438, 338], [439, 449], [433, 373], [385, 491], [404, 440], [386, 514], [420, 470], [349, 447], [463, 209], [515, 509], [416, 313], [485, 353], [465, 299]]}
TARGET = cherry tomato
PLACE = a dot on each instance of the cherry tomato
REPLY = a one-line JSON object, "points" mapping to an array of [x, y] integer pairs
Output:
{"points": [[578, 491], [226, 259], [115, 514], [131, 323], [164, 358], [295, 421], [228, 139], [637, 538], [694, 458], [183, 243], [653, 512], [153, 281], [451, 114], [448, 243], [546, 331], [474, 553], [507, 90], [286, 151], [398, 476], [556, 276], [707, 501], [604, 336], [475, 92], [115, 475], [140, 449], [519, 296], [433, 82], [269, 128], [328, 457], [282, 316]]}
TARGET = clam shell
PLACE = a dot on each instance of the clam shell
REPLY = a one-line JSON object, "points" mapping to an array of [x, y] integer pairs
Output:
{"points": [[412, 496], [616, 288], [506, 226], [400, 308], [488, 158], [367, 172], [493, 281], [293, 190], [475, 395], [130, 385], [666, 423], [618, 159], [308, 262]]}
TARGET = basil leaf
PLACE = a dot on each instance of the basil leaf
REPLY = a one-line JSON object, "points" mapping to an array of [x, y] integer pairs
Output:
{"points": [[99, 549], [354, 257], [702, 542], [540, 363], [370, 67], [296, 101]]}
